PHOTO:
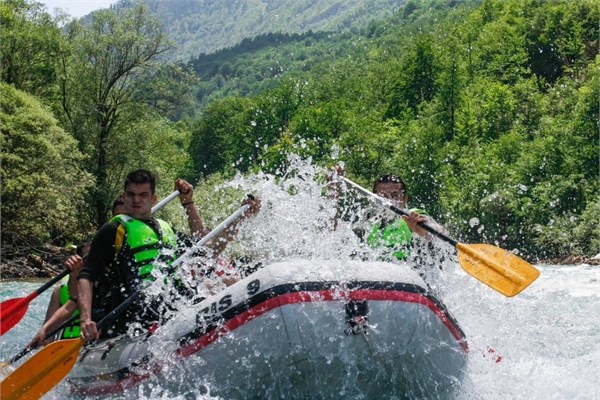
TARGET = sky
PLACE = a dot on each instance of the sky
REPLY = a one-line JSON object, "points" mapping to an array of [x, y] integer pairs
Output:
{"points": [[76, 8]]}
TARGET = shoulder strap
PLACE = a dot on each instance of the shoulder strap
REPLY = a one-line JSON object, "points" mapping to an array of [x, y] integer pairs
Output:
{"points": [[121, 219], [119, 238]]}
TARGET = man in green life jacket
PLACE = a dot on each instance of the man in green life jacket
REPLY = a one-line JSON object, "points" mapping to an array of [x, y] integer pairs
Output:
{"points": [[390, 231], [396, 234], [126, 249]]}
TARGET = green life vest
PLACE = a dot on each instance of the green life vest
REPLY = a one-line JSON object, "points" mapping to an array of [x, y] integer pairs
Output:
{"points": [[395, 236], [71, 330], [137, 243]]}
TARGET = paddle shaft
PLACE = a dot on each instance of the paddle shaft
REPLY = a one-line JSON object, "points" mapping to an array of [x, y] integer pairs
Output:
{"points": [[37, 292], [398, 210], [425, 226], [52, 281], [12, 310], [497, 268], [164, 201], [220, 228]]}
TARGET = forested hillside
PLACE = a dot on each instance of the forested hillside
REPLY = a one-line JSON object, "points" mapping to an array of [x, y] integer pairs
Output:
{"points": [[205, 26], [258, 64], [488, 109]]}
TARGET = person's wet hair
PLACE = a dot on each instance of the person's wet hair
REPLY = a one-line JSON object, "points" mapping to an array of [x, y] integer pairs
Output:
{"points": [[141, 176], [390, 178], [118, 202]]}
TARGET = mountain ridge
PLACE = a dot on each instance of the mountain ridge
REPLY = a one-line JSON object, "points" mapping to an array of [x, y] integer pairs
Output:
{"points": [[206, 26]]}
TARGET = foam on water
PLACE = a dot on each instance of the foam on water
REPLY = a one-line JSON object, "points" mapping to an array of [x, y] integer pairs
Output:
{"points": [[540, 344]]}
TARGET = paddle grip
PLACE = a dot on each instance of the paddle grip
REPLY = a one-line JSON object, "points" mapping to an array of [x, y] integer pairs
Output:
{"points": [[425, 226]]}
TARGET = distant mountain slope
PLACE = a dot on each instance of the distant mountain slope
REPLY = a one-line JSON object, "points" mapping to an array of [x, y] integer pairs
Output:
{"points": [[205, 26]]}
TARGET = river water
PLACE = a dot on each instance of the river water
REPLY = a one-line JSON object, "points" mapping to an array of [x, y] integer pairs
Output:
{"points": [[543, 343]]}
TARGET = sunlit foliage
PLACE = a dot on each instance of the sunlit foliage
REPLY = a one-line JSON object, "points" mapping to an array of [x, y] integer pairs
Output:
{"points": [[494, 127]]}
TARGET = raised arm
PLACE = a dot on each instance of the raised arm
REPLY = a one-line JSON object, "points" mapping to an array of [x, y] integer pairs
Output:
{"points": [[74, 263], [186, 197]]}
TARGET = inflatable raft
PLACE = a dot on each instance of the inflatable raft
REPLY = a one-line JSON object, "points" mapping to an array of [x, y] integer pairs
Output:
{"points": [[305, 329]]}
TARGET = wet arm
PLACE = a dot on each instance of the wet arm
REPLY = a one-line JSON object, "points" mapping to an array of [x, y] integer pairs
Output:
{"points": [[88, 327], [74, 263], [60, 316], [220, 242], [186, 197]]}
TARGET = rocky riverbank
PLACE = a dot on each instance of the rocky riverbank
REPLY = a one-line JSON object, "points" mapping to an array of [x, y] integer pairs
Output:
{"points": [[30, 263], [47, 261]]}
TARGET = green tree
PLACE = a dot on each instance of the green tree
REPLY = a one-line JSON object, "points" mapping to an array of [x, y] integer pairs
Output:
{"points": [[417, 80], [489, 110], [271, 116], [43, 184], [30, 49], [222, 123], [115, 89], [508, 61], [559, 37], [450, 83]]}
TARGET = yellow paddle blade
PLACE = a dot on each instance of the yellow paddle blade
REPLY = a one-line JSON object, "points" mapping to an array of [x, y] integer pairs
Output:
{"points": [[497, 268], [41, 372]]}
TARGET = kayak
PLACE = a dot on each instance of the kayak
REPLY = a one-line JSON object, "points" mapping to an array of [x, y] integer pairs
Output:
{"points": [[296, 329]]}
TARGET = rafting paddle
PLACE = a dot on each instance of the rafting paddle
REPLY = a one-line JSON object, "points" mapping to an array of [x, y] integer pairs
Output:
{"points": [[51, 364], [164, 201], [12, 310], [497, 268], [47, 367], [48, 335]]}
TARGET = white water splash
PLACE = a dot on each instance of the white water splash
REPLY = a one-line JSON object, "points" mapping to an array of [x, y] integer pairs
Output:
{"points": [[540, 344]]}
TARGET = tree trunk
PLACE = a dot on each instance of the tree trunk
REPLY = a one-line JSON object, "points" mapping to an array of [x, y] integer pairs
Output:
{"points": [[101, 205]]}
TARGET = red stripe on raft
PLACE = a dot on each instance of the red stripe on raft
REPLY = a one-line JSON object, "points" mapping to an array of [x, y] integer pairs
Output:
{"points": [[321, 295], [289, 298]]}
